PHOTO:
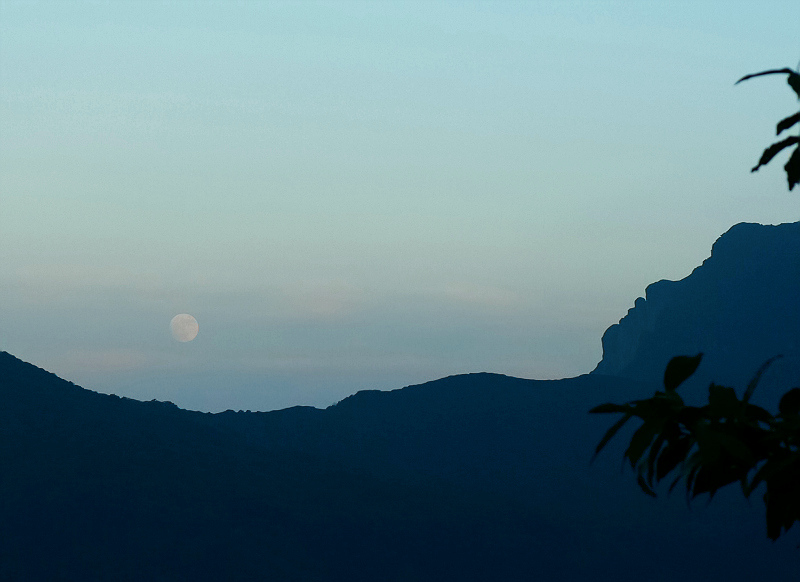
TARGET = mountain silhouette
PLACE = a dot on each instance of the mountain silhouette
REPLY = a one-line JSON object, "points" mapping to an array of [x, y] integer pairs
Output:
{"points": [[470, 477], [740, 308]]}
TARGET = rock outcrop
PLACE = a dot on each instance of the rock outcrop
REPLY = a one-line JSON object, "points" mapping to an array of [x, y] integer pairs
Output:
{"points": [[740, 308]]}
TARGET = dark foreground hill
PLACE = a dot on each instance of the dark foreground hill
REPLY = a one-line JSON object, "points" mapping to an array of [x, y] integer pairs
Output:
{"points": [[474, 477]]}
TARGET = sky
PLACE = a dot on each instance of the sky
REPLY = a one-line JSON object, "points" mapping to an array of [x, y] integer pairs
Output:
{"points": [[366, 195]]}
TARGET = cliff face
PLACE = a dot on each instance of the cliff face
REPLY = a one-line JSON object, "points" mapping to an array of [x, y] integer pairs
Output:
{"points": [[740, 307]]}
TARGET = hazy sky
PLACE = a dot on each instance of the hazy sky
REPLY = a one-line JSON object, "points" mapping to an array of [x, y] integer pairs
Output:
{"points": [[352, 195]]}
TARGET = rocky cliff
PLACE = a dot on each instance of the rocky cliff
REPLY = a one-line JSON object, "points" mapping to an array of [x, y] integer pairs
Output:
{"points": [[740, 307]]}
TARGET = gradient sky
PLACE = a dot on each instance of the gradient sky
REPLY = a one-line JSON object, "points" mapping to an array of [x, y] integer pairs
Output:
{"points": [[354, 195]]}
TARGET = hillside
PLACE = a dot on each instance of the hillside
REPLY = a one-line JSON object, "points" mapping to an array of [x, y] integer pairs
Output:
{"points": [[469, 477]]}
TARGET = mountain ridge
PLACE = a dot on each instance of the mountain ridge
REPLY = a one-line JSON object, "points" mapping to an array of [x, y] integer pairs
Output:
{"points": [[463, 478], [740, 307], [468, 477]]}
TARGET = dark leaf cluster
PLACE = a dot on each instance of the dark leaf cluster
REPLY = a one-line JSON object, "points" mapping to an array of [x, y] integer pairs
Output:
{"points": [[726, 441], [792, 167]]}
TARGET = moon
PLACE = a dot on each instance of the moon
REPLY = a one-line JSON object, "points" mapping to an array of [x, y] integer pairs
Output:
{"points": [[184, 327]]}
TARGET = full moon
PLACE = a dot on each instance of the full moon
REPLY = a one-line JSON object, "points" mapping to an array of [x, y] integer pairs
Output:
{"points": [[184, 327]]}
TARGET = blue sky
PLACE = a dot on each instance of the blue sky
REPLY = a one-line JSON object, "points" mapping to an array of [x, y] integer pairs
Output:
{"points": [[353, 195]]}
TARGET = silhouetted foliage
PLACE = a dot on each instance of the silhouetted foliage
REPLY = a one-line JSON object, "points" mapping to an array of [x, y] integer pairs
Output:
{"points": [[727, 440], [792, 167]]}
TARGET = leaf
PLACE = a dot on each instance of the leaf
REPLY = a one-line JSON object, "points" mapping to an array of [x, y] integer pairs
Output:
{"points": [[773, 520], [723, 402], [675, 482], [610, 434], [784, 124], [655, 448], [761, 474], [690, 478], [659, 408], [790, 403], [794, 82], [610, 407], [640, 440], [704, 482], [753, 412], [754, 382], [734, 448], [792, 168], [773, 150], [672, 397], [673, 454], [679, 369], [643, 484], [790, 72], [689, 415]]}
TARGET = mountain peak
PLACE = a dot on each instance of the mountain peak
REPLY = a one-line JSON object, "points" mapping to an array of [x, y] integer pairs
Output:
{"points": [[740, 307]]}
